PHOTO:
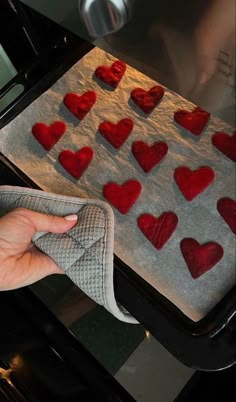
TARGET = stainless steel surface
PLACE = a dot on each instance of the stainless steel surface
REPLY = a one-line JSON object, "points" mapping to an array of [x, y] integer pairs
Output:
{"points": [[102, 17], [187, 46]]}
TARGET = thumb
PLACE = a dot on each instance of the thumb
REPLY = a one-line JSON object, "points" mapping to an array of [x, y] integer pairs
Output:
{"points": [[44, 222]]}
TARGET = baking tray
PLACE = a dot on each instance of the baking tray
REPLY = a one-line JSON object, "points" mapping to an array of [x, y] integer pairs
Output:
{"points": [[165, 269], [186, 339]]}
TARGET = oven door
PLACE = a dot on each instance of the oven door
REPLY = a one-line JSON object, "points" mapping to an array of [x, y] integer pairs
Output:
{"points": [[41, 360]]}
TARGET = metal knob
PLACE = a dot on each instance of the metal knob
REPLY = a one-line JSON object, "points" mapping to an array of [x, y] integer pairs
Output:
{"points": [[102, 17]]}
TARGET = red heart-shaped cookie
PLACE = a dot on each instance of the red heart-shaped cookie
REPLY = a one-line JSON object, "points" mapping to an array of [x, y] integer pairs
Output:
{"points": [[227, 209], [158, 230], [48, 136], [200, 258], [116, 134], [194, 121], [122, 197], [80, 105], [147, 100], [111, 75], [76, 163], [226, 144], [192, 183], [149, 156]]}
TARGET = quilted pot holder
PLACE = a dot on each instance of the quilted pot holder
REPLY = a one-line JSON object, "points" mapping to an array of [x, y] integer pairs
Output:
{"points": [[85, 253]]}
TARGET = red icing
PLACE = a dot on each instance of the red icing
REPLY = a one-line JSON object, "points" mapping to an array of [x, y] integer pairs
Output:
{"points": [[80, 105], [147, 100], [111, 75], [192, 183], [158, 230], [149, 156], [194, 121], [226, 144], [76, 163], [116, 134], [227, 209], [48, 136], [122, 197], [200, 258]]}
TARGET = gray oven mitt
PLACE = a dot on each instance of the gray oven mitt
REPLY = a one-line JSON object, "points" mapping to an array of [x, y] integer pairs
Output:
{"points": [[85, 253]]}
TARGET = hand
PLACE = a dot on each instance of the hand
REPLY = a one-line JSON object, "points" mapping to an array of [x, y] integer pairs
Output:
{"points": [[21, 263], [215, 33]]}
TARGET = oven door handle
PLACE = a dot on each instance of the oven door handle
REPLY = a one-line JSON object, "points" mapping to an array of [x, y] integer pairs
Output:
{"points": [[104, 17]]}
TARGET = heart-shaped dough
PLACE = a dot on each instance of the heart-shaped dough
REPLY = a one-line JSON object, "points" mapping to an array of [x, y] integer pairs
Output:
{"points": [[116, 134], [158, 230], [122, 197], [48, 136], [194, 121], [111, 75], [227, 209], [80, 105], [226, 144], [76, 163], [149, 156], [147, 100], [192, 183], [200, 258]]}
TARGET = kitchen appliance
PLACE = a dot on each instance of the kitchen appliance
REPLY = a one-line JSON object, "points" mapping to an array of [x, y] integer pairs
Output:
{"points": [[104, 17], [41, 360], [48, 51]]}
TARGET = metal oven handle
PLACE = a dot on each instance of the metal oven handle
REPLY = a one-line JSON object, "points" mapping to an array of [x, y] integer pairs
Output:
{"points": [[102, 17]]}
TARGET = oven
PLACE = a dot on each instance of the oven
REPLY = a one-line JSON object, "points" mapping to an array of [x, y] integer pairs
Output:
{"points": [[45, 52]]}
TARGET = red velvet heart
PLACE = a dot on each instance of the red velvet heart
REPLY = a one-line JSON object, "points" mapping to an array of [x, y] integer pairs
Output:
{"points": [[227, 209], [48, 136], [147, 100], [192, 183], [149, 156], [226, 144], [80, 105], [194, 121], [111, 75], [158, 230], [76, 163], [122, 197], [200, 258], [116, 134]]}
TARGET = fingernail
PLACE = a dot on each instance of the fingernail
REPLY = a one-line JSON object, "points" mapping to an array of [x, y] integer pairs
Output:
{"points": [[71, 218]]}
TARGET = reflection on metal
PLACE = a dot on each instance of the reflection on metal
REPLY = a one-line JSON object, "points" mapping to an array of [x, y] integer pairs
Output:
{"points": [[11, 387], [102, 17], [147, 333], [11, 95], [5, 375]]}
